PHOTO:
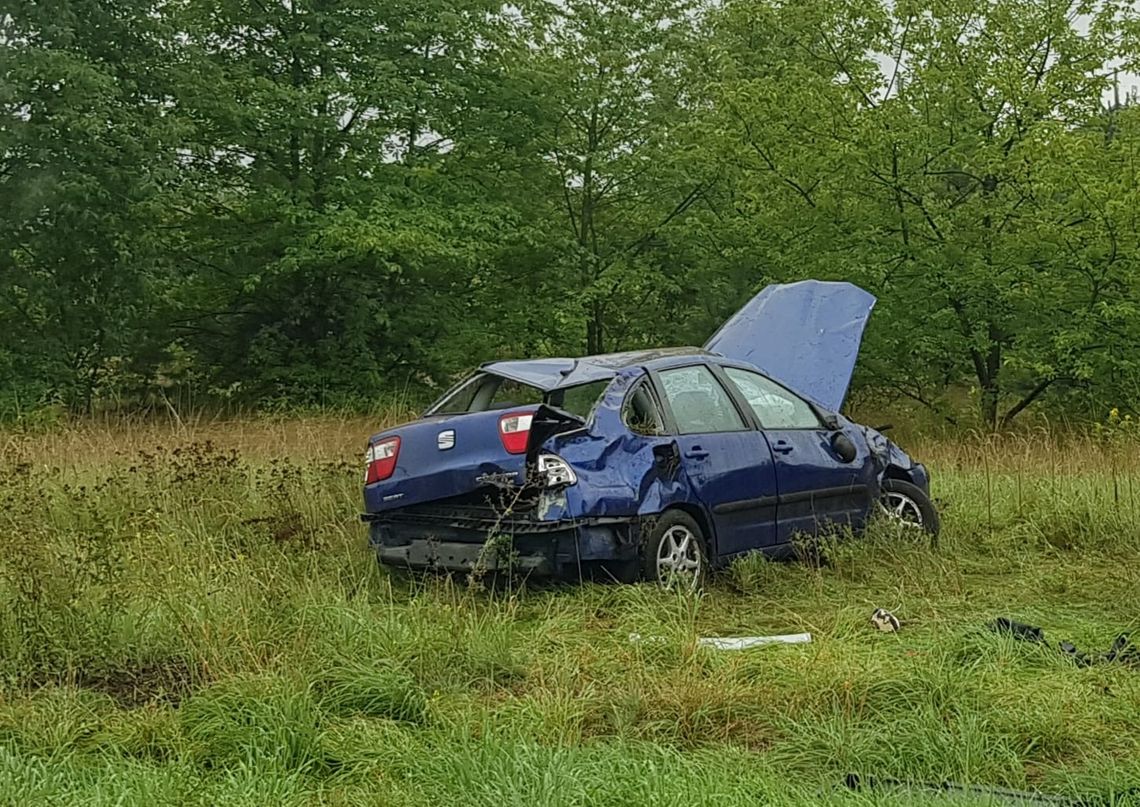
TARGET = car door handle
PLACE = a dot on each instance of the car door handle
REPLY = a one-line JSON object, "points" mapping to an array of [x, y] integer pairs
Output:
{"points": [[696, 453], [782, 447]]}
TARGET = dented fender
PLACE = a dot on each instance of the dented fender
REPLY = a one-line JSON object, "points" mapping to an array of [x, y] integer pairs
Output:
{"points": [[620, 475], [891, 461]]}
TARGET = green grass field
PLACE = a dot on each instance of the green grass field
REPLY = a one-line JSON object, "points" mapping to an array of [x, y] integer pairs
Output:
{"points": [[193, 623]]}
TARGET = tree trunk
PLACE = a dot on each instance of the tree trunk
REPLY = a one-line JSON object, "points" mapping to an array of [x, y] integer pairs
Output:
{"points": [[595, 330], [990, 404], [296, 80], [587, 258], [987, 369]]}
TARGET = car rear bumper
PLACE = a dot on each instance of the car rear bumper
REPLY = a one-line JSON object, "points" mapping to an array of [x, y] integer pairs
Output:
{"points": [[540, 549], [426, 554]]}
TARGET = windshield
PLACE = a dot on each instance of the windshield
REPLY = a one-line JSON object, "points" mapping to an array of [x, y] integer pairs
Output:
{"points": [[484, 392]]}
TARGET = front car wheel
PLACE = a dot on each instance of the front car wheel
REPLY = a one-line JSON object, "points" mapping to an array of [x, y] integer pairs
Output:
{"points": [[909, 506]]}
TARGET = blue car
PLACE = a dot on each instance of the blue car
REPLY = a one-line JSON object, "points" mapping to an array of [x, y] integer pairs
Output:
{"points": [[659, 464]]}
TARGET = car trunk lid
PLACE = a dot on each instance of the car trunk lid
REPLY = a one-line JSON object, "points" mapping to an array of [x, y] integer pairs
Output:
{"points": [[477, 456]]}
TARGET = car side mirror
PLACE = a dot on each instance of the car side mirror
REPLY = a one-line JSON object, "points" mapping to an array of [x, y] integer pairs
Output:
{"points": [[843, 447]]}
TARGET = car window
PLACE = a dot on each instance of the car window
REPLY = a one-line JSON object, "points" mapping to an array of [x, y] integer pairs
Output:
{"points": [[461, 398], [579, 400], [640, 413], [510, 393], [699, 402], [775, 406], [484, 392]]}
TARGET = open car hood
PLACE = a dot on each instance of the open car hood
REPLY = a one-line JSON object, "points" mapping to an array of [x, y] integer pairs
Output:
{"points": [[805, 335]]}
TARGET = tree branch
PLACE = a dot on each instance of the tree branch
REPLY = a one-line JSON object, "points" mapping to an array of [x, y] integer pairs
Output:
{"points": [[918, 398], [1025, 402], [791, 183]]}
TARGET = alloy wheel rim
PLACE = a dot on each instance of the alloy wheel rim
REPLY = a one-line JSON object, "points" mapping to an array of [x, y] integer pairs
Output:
{"points": [[901, 508], [679, 558]]}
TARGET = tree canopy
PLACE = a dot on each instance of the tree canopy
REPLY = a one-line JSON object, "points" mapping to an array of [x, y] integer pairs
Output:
{"points": [[303, 201]]}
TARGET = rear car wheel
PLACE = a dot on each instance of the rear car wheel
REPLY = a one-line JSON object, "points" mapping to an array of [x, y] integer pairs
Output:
{"points": [[910, 506], [673, 552]]}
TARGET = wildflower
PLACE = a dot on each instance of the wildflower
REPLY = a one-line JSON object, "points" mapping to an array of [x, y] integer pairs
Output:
{"points": [[1114, 414]]}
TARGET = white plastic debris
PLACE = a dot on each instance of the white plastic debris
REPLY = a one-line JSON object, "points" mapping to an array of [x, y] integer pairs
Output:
{"points": [[746, 642], [884, 620]]}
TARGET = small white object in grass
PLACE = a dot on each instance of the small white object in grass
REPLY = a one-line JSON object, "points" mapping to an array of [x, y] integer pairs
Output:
{"points": [[745, 642], [637, 638], [884, 620]]}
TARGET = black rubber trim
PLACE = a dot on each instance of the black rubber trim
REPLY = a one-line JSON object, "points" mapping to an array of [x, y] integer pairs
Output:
{"points": [[822, 493], [518, 526], [790, 498], [746, 504]]}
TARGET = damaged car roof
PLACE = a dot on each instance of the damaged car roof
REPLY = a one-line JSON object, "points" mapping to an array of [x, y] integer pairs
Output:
{"points": [[552, 374]]}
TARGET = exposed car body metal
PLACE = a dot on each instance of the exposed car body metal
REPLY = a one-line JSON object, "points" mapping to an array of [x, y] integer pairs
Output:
{"points": [[752, 487]]}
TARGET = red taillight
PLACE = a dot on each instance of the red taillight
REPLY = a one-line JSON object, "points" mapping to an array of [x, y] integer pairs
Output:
{"points": [[514, 431], [381, 460]]}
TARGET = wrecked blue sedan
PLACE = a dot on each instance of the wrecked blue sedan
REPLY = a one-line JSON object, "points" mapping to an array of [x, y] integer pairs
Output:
{"points": [[658, 464]]}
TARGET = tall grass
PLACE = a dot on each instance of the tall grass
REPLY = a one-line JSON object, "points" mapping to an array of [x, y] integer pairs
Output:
{"points": [[189, 615]]}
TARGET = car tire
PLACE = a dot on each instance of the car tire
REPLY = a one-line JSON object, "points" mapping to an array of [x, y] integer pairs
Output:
{"points": [[674, 550], [909, 504]]}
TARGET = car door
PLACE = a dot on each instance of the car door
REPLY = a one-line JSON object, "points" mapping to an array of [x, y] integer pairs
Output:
{"points": [[817, 489], [727, 462]]}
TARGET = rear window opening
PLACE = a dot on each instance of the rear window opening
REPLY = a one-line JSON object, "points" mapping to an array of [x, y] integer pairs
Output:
{"points": [[484, 392], [640, 413]]}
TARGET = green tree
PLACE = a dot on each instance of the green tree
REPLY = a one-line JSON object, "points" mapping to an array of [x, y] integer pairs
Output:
{"points": [[966, 178], [329, 243], [87, 159], [611, 76], [339, 199]]}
